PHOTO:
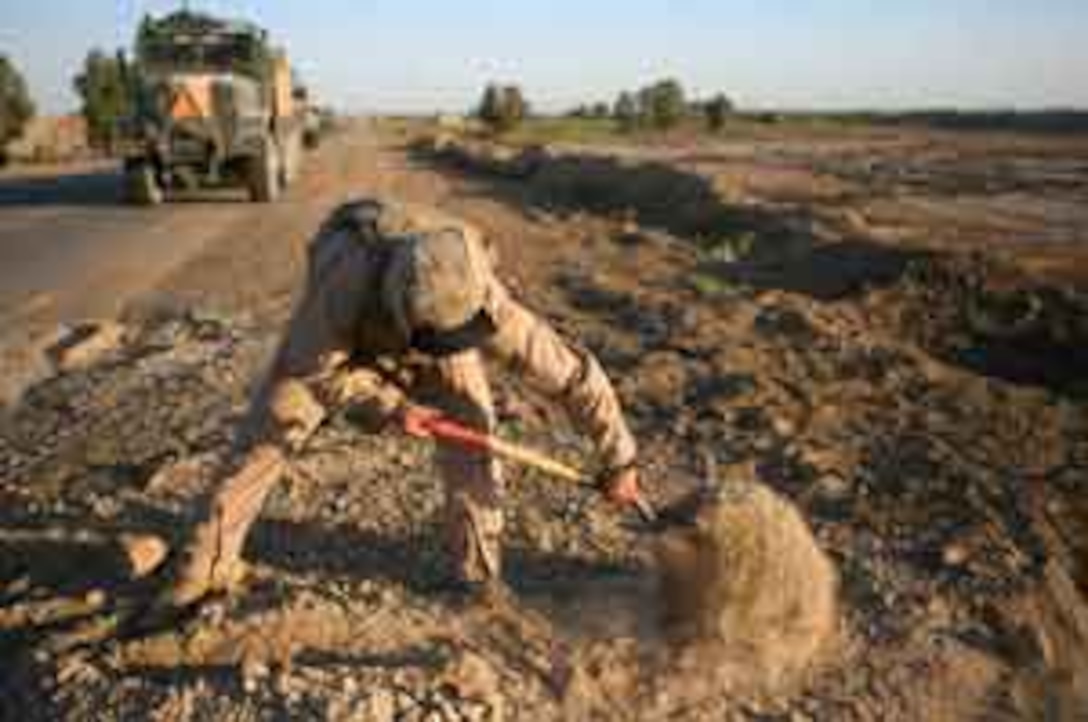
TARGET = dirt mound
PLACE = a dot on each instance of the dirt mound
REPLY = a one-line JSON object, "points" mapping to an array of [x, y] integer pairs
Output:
{"points": [[748, 588], [991, 318], [658, 193], [485, 157], [653, 193]]}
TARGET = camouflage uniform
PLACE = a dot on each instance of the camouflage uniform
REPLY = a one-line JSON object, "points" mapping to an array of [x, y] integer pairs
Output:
{"points": [[347, 346]]}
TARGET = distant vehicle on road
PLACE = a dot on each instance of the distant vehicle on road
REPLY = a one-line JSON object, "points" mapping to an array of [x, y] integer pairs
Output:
{"points": [[215, 104]]}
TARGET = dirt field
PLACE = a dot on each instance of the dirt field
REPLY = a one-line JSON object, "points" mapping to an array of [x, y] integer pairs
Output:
{"points": [[892, 330]]}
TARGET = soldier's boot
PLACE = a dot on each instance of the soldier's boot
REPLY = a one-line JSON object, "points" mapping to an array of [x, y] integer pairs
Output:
{"points": [[212, 560], [474, 544], [207, 567]]}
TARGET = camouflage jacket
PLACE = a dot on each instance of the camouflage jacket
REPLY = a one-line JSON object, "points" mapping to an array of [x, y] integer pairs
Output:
{"points": [[343, 347]]}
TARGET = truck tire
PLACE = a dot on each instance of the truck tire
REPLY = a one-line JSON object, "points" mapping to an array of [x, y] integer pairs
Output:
{"points": [[141, 185], [264, 174]]}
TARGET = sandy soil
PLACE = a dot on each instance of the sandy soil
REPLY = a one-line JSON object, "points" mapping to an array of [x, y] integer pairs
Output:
{"points": [[894, 339]]}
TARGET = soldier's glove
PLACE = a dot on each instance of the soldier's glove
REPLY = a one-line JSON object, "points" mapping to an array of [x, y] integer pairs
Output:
{"points": [[370, 418], [621, 486], [375, 409], [294, 413]]}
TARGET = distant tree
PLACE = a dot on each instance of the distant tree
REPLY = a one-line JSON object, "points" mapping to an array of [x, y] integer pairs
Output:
{"points": [[663, 103], [599, 110], [489, 103], [103, 84], [502, 108], [145, 33], [717, 111], [644, 103], [626, 111], [16, 108], [515, 107]]}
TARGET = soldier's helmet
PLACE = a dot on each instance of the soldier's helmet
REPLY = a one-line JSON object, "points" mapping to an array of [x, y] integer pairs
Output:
{"points": [[437, 283], [438, 280], [445, 287]]}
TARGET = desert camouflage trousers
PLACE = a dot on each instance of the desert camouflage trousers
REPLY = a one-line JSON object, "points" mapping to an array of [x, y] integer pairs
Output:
{"points": [[456, 385], [473, 480]]}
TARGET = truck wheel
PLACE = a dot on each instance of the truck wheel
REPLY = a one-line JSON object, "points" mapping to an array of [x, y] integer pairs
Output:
{"points": [[264, 175], [141, 186]]}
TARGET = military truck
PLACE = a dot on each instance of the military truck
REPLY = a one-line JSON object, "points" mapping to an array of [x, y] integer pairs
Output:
{"points": [[215, 104]]}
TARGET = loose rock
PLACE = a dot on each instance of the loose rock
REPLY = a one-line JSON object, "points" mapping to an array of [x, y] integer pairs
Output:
{"points": [[85, 344]]}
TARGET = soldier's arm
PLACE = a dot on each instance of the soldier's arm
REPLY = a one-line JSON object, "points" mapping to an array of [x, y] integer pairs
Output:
{"points": [[311, 373], [571, 376]]}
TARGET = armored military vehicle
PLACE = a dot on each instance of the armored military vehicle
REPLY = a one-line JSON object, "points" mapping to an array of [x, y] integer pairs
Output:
{"points": [[215, 104]]}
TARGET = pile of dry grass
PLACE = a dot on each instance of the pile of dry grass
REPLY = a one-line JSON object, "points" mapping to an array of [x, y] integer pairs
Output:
{"points": [[747, 587]]}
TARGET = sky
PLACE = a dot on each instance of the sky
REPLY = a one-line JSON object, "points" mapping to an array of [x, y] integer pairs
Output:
{"points": [[430, 55]]}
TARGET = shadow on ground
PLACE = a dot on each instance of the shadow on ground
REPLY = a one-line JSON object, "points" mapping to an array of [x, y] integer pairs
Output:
{"points": [[996, 321], [416, 562], [67, 555], [826, 272], [99, 188], [96, 188]]}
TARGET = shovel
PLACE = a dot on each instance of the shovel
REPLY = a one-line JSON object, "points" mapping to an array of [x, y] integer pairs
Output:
{"points": [[447, 430]]}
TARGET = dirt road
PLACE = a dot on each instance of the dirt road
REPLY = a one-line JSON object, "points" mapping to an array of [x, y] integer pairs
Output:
{"points": [[922, 407], [68, 241], [71, 250]]}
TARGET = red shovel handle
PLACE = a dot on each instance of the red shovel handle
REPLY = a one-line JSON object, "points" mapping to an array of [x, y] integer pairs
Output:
{"points": [[447, 430], [444, 429]]}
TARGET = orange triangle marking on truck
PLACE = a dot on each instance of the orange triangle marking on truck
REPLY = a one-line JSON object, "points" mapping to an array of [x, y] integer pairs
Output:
{"points": [[187, 103]]}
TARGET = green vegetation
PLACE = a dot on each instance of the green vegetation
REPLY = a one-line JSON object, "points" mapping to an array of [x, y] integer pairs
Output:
{"points": [[105, 89], [626, 111], [659, 106], [642, 115], [592, 110], [16, 107], [728, 249], [502, 108], [663, 104], [567, 129], [710, 285], [717, 111]]}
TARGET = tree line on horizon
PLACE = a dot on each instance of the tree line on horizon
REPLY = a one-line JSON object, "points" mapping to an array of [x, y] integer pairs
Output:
{"points": [[666, 104], [104, 85], [104, 92], [16, 106], [660, 106], [106, 98]]}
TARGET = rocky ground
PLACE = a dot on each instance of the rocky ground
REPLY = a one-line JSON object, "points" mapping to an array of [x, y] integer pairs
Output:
{"points": [[821, 316]]}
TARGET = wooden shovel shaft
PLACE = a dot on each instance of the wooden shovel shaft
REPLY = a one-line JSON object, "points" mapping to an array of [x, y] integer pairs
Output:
{"points": [[447, 430]]}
